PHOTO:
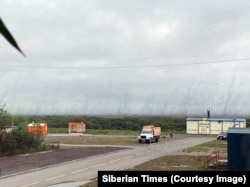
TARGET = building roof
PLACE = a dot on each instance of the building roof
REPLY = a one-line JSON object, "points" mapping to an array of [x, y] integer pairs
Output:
{"points": [[239, 130], [217, 119]]}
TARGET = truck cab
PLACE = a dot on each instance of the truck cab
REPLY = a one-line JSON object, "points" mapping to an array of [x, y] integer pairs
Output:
{"points": [[149, 134]]}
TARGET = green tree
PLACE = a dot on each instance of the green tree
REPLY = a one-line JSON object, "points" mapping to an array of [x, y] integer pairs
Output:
{"points": [[5, 117], [20, 141]]}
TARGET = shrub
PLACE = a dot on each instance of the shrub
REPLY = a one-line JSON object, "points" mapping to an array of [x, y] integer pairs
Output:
{"points": [[19, 141]]}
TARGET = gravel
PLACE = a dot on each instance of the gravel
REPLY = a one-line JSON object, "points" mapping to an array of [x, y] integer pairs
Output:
{"points": [[23, 163]]}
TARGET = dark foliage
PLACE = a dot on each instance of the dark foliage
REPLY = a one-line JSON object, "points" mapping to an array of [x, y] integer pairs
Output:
{"points": [[19, 141], [109, 122]]}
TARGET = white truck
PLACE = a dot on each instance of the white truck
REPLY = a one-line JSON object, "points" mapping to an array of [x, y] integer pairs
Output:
{"points": [[149, 134]]}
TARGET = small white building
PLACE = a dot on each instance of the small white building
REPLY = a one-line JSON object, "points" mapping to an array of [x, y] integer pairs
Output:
{"points": [[212, 125]]}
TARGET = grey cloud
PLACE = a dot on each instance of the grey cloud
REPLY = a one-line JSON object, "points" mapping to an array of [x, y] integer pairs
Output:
{"points": [[126, 57]]}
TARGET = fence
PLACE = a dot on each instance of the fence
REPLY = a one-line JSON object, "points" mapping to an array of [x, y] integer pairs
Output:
{"points": [[217, 159]]}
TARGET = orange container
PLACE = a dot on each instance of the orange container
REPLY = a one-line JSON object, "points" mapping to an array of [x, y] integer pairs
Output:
{"points": [[77, 127], [38, 128]]}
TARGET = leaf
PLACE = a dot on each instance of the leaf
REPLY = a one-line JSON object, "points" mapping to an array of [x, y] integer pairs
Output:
{"points": [[5, 32]]}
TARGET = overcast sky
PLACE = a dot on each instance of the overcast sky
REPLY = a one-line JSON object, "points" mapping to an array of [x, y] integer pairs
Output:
{"points": [[126, 57]]}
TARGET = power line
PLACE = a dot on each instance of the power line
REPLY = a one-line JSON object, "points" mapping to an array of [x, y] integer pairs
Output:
{"points": [[127, 67]]}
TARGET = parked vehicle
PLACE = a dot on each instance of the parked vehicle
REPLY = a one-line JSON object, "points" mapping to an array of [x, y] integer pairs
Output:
{"points": [[149, 134], [222, 135]]}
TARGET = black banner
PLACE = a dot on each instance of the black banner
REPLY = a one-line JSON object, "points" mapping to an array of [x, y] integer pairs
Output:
{"points": [[162, 178]]}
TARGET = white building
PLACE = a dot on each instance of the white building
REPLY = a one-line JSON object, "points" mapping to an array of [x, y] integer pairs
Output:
{"points": [[212, 125]]}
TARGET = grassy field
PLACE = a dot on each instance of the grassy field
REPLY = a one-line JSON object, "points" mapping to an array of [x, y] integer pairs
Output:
{"points": [[116, 137], [99, 140], [105, 131]]}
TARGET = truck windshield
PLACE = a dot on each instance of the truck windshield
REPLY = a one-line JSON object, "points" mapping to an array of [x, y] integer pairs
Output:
{"points": [[146, 132]]}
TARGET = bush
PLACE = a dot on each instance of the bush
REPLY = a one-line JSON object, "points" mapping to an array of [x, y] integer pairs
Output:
{"points": [[19, 141]]}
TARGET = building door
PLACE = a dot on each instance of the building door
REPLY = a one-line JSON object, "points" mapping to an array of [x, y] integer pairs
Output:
{"points": [[204, 128]]}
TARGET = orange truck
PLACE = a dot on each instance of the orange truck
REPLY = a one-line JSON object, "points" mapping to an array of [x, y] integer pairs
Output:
{"points": [[149, 134]]}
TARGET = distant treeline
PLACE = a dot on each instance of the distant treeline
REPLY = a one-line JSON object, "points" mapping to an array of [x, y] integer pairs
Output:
{"points": [[107, 122]]}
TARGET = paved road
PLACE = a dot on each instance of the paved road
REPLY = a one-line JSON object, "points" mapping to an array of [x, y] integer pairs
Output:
{"points": [[75, 173]]}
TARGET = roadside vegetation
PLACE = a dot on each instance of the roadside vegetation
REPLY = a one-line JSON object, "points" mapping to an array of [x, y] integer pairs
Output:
{"points": [[20, 142]]}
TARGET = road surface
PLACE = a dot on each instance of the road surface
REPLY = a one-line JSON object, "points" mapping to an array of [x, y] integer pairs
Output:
{"points": [[81, 171]]}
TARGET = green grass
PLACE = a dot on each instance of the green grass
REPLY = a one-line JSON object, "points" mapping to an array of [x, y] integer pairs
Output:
{"points": [[58, 130], [106, 131], [99, 140], [215, 145], [120, 137], [111, 132]]}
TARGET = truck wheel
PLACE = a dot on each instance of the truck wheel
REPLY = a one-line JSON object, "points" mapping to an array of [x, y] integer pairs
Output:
{"points": [[139, 141], [156, 140]]}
